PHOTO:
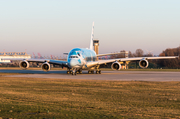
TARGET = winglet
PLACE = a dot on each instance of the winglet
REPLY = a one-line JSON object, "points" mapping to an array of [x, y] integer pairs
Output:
{"points": [[92, 37]]}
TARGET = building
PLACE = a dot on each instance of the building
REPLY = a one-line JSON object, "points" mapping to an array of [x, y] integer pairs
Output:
{"points": [[12, 55], [124, 54], [96, 46]]}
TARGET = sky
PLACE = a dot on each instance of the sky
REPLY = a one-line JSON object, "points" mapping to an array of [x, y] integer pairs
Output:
{"points": [[54, 27]]}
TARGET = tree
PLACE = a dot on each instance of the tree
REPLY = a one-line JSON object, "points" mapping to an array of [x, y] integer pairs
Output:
{"points": [[170, 63], [139, 53], [130, 54]]}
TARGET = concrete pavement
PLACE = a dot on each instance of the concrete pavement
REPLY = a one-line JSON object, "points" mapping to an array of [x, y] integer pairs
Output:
{"points": [[106, 75]]}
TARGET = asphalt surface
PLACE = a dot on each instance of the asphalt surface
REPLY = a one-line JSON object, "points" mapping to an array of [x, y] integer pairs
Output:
{"points": [[106, 75]]}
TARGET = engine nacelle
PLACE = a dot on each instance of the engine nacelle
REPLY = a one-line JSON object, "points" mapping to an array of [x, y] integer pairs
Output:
{"points": [[24, 64], [143, 63], [45, 66], [116, 66]]}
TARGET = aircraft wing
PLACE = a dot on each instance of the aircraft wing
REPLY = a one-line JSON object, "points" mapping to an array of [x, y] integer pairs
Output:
{"points": [[57, 62], [134, 59], [98, 55]]}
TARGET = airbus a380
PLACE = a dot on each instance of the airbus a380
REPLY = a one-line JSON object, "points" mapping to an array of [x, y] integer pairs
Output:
{"points": [[86, 59]]}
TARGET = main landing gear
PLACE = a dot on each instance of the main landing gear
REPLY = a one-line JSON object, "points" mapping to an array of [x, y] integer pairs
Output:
{"points": [[74, 71], [92, 72]]}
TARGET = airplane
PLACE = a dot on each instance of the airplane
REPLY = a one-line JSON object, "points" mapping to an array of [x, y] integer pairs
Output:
{"points": [[86, 59]]}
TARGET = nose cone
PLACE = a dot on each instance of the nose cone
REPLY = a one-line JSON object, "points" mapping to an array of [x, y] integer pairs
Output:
{"points": [[73, 63]]}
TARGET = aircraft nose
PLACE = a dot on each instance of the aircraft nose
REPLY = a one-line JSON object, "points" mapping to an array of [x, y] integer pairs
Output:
{"points": [[73, 62]]}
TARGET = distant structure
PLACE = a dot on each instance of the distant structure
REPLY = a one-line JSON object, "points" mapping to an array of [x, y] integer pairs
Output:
{"points": [[12, 55], [125, 54], [96, 46]]}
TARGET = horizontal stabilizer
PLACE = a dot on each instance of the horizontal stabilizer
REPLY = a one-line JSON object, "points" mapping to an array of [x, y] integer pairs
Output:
{"points": [[65, 53]]}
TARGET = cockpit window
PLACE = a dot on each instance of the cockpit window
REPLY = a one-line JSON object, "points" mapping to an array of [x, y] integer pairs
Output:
{"points": [[73, 57], [78, 54]]}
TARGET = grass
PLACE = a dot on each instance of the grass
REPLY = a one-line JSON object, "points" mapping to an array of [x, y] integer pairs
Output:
{"points": [[25, 98]]}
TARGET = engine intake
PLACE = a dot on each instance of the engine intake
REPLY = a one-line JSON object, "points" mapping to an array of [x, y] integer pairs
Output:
{"points": [[45, 66], [143, 63], [116, 66], [24, 64]]}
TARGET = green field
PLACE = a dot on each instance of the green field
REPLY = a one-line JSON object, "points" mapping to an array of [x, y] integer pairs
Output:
{"points": [[35, 98]]}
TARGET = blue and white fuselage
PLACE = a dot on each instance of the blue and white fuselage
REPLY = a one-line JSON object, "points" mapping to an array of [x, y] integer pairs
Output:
{"points": [[79, 57]]}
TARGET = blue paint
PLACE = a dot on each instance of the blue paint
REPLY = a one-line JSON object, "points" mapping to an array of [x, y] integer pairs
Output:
{"points": [[87, 54], [79, 61]]}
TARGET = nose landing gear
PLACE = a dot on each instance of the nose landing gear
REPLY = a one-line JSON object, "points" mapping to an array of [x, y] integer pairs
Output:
{"points": [[74, 72]]}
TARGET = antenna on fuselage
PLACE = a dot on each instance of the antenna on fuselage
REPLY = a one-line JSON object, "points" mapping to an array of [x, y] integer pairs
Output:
{"points": [[92, 37]]}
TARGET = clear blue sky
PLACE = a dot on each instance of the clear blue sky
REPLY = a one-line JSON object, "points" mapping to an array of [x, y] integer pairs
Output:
{"points": [[57, 26]]}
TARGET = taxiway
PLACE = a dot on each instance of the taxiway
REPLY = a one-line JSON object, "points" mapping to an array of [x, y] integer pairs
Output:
{"points": [[106, 75]]}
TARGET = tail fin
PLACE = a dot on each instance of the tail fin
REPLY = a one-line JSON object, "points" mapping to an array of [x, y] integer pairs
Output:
{"points": [[92, 37]]}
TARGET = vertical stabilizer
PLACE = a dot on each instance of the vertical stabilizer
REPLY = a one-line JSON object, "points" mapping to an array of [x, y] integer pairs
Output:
{"points": [[92, 37]]}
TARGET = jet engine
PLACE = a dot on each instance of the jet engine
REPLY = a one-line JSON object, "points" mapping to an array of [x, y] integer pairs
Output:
{"points": [[116, 66], [45, 66], [24, 64], [143, 63]]}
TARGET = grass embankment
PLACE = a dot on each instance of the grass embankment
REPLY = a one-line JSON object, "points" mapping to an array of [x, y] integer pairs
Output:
{"points": [[24, 98]]}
